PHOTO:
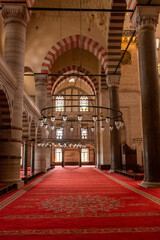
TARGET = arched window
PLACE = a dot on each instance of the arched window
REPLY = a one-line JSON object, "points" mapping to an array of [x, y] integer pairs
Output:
{"points": [[83, 104], [59, 103]]}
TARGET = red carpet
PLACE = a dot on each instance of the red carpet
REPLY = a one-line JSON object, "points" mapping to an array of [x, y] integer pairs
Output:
{"points": [[80, 203]]}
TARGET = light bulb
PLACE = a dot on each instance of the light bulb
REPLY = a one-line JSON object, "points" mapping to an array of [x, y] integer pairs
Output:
{"points": [[111, 128], [102, 128], [52, 127], [53, 118], [94, 118], [79, 117], [71, 129], [92, 129], [64, 117]]}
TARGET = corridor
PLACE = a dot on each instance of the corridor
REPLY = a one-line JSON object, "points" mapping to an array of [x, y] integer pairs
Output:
{"points": [[80, 203]]}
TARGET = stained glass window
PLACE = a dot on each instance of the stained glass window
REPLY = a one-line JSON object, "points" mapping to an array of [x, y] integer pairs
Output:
{"points": [[59, 103], [83, 104]]}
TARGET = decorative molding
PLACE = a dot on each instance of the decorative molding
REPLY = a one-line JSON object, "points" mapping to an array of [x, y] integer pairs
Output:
{"points": [[145, 17], [41, 79], [15, 13], [113, 80]]}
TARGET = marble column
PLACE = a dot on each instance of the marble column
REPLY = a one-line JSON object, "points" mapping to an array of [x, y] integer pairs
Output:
{"points": [[115, 140], [145, 20], [15, 18], [63, 157], [80, 160], [32, 157], [25, 157], [104, 135], [41, 90], [41, 155]]}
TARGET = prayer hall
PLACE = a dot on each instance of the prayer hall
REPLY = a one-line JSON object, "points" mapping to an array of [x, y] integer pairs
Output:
{"points": [[79, 119]]}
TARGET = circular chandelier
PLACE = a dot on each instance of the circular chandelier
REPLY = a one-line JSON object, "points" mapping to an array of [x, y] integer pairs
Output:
{"points": [[69, 116]]}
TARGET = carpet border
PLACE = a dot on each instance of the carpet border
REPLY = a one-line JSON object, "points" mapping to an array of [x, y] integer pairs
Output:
{"points": [[138, 191], [20, 192]]}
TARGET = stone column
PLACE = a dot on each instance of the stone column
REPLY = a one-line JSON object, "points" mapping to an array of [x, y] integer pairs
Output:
{"points": [[41, 155], [41, 90], [145, 20], [63, 157], [32, 157], [104, 135], [80, 160], [25, 157], [16, 18], [115, 140]]}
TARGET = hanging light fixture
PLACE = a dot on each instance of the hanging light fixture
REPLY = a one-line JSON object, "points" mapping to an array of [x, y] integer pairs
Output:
{"points": [[92, 129], [94, 118], [71, 128], [64, 117], [107, 119], [44, 119], [102, 128], [46, 125], [52, 127], [41, 123], [79, 117], [61, 128], [53, 118], [111, 127]]}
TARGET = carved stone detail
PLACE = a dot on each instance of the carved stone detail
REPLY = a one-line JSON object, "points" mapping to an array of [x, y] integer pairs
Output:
{"points": [[113, 80], [40, 79], [145, 17], [15, 13]]}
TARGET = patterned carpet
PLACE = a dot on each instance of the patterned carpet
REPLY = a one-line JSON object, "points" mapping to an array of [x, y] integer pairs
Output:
{"points": [[81, 203]]}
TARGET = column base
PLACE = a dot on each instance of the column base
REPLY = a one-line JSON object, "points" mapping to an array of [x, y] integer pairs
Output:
{"points": [[149, 184], [104, 167], [20, 184], [111, 171]]}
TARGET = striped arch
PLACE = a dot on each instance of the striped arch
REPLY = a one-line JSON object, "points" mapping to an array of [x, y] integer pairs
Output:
{"points": [[115, 36], [25, 125], [131, 4], [91, 80], [74, 41], [33, 130], [5, 120], [83, 78]]}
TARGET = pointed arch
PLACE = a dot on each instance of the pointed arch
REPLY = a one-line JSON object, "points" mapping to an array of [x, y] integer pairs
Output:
{"points": [[91, 80], [74, 41], [5, 120]]}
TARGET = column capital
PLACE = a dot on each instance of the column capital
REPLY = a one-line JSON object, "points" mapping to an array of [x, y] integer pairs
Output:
{"points": [[113, 80], [145, 16], [15, 13], [40, 79]]}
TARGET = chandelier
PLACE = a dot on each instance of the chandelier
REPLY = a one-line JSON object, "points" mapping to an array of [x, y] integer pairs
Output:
{"points": [[81, 115]]}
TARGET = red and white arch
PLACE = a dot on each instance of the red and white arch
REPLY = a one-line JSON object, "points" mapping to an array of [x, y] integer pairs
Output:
{"points": [[74, 41], [54, 82]]}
